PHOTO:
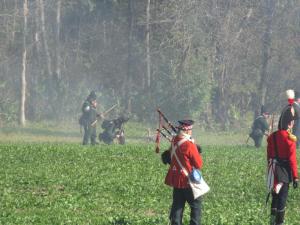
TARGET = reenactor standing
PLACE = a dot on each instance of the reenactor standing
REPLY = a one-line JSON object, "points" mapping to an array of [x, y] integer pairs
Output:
{"points": [[259, 127], [296, 128], [188, 155], [89, 119], [282, 164]]}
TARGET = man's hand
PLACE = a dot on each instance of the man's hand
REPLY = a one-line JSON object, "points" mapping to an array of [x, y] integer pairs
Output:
{"points": [[295, 183], [100, 115]]}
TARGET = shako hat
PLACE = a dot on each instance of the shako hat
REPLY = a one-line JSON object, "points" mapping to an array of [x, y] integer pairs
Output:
{"points": [[263, 110], [185, 124], [287, 115], [290, 96], [92, 96]]}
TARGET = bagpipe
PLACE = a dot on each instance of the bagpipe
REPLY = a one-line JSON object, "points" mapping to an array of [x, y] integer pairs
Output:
{"points": [[168, 131], [164, 125]]}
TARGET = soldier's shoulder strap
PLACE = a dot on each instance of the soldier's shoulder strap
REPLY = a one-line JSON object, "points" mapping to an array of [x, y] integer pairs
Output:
{"points": [[260, 116]]}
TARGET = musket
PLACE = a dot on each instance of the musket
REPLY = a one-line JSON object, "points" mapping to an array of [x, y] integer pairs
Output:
{"points": [[102, 115], [108, 111]]}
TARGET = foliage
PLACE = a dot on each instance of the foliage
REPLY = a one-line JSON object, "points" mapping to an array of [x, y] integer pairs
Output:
{"points": [[71, 184], [205, 57]]}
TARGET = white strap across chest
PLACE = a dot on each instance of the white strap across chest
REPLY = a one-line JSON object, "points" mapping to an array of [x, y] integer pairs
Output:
{"points": [[173, 152]]}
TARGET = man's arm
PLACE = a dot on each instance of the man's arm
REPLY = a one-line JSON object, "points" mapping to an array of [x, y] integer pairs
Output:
{"points": [[196, 159]]}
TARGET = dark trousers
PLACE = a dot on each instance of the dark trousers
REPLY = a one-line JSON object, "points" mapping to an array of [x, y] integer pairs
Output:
{"points": [[180, 197], [278, 204], [257, 141], [89, 134], [279, 200]]}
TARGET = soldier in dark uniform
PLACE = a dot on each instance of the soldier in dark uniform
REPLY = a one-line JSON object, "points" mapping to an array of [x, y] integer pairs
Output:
{"points": [[296, 128], [89, 119], [113, 129], [282, 164], [259, 127]]}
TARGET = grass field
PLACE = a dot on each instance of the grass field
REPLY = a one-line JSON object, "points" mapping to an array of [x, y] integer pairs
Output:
{"points": [[58, 181]]}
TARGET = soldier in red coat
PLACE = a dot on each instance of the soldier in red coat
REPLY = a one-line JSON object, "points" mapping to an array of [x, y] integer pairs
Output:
{"points": [[282, 164], [187, 152]]}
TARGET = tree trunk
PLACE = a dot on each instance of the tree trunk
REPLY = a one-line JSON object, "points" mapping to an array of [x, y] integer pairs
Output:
{"points": [[45, 38], [266, 43], [14, 22], [22, 118], [37, 36], [58, 25], [128, 81], [148, 59]]}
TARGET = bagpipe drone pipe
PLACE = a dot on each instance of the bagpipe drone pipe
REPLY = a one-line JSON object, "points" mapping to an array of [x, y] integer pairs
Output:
{"points": [[168, 131]]}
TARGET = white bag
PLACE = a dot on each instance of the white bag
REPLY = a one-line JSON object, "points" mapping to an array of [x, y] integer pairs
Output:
{"points": [[198, 189]]}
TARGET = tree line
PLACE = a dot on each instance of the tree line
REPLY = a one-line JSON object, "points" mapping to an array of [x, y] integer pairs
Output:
{"points": [[214, 61]]}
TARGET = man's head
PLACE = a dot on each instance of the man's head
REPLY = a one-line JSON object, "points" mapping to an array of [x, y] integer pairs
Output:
{"points": [[287, 118], [264, 111], [186, 126], [290, 96], [92, 98]]}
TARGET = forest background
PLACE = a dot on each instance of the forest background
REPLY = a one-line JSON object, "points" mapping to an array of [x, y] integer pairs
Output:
{"points": [[214, 61]]}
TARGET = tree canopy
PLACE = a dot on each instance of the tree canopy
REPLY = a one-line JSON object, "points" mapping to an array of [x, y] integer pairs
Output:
{"points": [[214, 61]]}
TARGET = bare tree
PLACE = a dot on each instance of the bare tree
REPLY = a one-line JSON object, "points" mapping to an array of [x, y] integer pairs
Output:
{"points": [[148, 59], [45, 37], [58, 25], [266, 43], [24, 62], [128, 81]]}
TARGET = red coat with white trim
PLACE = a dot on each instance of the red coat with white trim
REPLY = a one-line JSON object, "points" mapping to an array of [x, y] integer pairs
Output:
{"points": [[189, 157], [286, 149]]}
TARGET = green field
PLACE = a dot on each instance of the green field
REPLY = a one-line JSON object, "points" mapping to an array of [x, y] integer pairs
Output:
{"points": [[55, 182]]}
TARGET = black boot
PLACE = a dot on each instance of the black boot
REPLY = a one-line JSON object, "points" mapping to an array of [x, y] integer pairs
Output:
{"points": [[273, 216], [280, 217]]}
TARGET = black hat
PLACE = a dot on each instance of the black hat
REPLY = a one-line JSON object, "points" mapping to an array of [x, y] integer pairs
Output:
{"points": [[287, 115], [92, 96], [263, 110], [297, 94], [185, 124]]}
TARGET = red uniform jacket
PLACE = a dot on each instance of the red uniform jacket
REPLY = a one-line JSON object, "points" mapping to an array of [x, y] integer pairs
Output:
{"points": [[189, 158], [286, 149]]}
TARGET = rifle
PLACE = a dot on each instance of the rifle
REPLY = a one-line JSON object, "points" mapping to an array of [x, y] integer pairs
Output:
{"points": [[102, 115], [107, 111]]}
